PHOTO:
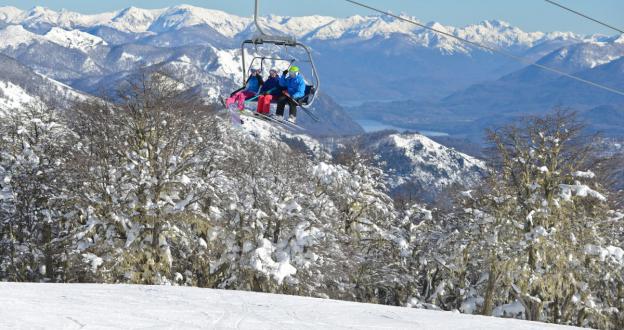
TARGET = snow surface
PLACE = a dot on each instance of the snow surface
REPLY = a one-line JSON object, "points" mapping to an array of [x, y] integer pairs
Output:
{"points": [[579, 190], [13, 96], [100, 306], [584, 174], [613, 253]]}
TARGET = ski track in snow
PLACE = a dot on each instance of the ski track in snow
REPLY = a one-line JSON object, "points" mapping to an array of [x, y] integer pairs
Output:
{"points": [[102, 306]]}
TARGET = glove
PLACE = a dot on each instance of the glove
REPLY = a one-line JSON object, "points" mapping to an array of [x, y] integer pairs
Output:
{"points": [[285, 72]]}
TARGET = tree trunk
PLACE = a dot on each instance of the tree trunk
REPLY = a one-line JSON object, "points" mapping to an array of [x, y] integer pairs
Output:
{"points": [[488, 300]]}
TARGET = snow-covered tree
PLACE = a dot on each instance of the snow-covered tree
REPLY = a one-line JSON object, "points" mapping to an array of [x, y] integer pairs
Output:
{"points": [[35, 200], [532, 243], [146, 163]]}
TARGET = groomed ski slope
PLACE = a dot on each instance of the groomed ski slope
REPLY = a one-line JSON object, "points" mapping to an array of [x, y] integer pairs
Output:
{"points": [[100, 306]]}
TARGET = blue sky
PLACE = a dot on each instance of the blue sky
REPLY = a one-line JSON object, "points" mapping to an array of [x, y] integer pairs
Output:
{"points": [[530, 15]]}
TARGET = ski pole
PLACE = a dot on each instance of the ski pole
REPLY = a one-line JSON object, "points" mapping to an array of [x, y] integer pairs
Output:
{"points": [[315, 118], [258, 95]]}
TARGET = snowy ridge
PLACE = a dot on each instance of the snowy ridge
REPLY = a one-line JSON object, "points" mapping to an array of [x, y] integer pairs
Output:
{"points": [[586, 55], [414, 158], [74, 39], [21, 86], [185, 16], [11, 14], [137, 20], [493, 33], [133, 19], [14, 97], [13, 36], [63, 306], [361, 26], [42, 17], [67, 93], [297, 26]]}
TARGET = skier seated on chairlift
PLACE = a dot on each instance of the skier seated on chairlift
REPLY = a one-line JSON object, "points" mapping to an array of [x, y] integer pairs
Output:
{"points": [[270, 90], [294, 88], [249, 91]]}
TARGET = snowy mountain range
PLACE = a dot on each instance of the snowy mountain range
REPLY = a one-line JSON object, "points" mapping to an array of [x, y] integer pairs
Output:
{"points": [[308, 28], [442, 83], [345, 47]]}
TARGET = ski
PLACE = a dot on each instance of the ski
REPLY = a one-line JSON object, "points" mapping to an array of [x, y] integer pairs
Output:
{"points": [[236, 114], [283, 123], [308, 112], [286, 123], [235, 118]]}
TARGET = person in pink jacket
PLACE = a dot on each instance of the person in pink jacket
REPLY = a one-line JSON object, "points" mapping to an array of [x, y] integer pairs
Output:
{"points": [[250, 90]]}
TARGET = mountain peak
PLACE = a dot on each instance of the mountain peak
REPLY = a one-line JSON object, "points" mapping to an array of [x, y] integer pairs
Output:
{"points": [[133, 19], [39, 10], [437, 26], [128, 11], [9, 14], [182, 16], [10, 9], [187, 7], [494, 23]]}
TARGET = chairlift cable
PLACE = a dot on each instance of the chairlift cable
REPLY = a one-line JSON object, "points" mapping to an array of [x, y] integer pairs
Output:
{"points": [[585, 16], [490, 48]]}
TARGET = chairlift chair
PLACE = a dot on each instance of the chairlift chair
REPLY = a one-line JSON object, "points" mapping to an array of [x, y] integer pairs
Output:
{"points": [[262, 38]]}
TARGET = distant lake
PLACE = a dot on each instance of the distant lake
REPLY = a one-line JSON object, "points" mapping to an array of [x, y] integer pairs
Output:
{"points": [[370, 126]]}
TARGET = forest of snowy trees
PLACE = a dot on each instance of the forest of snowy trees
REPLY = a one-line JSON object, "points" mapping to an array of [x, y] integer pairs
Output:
{"points": [[155, 188]]}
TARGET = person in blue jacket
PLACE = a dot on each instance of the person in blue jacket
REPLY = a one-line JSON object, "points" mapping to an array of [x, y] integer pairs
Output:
{"points": [[254, 82], [270, 89], [294, 88]]}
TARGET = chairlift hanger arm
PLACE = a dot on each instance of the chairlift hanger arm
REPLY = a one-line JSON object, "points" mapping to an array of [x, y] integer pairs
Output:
{"points": [[262, 36], [256, 14]]}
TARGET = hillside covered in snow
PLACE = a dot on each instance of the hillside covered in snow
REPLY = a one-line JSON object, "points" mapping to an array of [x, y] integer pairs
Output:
{"points": [[413, 164], [20, 86], [69, 306]]}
